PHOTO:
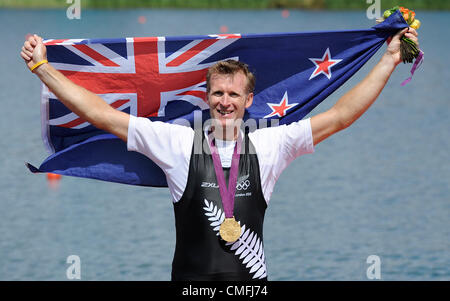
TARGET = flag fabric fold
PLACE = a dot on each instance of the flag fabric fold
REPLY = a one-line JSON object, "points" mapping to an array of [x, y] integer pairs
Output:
{"points": [[163, 78]]}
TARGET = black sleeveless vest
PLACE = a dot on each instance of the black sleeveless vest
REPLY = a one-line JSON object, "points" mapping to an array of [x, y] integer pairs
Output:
{"points": [[200, 253]]}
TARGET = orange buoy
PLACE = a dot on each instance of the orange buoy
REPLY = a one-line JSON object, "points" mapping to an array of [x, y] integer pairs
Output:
{"points": [[53, 176], [285, 13], [223, 29]]}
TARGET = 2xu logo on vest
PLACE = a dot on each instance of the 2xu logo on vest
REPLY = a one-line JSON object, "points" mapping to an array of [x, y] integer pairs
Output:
{"points": [[242, 185]]}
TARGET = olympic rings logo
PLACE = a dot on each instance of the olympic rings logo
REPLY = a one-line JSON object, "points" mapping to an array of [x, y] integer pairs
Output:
{"points": [[244, 185]]}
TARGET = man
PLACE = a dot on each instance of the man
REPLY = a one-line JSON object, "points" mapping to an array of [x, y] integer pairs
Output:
{"points": [[219, 226]]}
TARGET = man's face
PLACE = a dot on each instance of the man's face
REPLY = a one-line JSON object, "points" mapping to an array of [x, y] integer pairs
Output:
{"points": [[228, 98]]}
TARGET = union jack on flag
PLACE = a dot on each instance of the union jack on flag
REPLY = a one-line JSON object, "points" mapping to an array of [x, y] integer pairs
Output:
{"points": [[164, 78]]}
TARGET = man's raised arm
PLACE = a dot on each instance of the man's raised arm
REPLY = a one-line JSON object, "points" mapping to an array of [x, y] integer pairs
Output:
{"points": [[356, 101], [82, 102]]}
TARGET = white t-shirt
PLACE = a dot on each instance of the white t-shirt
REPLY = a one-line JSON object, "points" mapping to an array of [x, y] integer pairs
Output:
{"points": [[170, 147]]}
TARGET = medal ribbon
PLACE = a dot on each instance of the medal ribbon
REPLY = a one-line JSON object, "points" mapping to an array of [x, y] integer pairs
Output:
{"points": [[227, 195], [417, 63]]}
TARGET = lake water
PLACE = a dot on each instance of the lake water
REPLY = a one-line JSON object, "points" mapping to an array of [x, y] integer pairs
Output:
{"points": [[381, 187]]}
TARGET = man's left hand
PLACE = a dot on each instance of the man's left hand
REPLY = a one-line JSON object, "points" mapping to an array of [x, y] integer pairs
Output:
{"points": [[393, 49]]}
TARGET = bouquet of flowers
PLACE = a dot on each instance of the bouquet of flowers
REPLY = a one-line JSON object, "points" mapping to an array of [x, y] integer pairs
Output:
{"points": [[408, 48]]}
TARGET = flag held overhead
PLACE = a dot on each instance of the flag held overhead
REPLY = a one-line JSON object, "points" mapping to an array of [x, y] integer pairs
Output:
{"points": [[164, 79]]}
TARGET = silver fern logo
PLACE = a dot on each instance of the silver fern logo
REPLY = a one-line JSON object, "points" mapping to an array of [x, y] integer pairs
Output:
{"points": [[248, 247]]}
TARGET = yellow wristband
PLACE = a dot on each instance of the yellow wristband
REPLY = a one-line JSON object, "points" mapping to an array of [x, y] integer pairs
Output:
{"points": [[38, 64]]}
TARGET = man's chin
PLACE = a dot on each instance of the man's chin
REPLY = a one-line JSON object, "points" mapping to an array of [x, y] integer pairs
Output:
{"points": [[226, 121]]}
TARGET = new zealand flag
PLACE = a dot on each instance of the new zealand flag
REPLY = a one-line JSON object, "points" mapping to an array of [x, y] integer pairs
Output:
{"points": [[163, 78]]}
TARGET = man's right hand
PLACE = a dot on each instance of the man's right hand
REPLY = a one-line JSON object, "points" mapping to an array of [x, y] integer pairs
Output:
{"points": [[33, 51]]}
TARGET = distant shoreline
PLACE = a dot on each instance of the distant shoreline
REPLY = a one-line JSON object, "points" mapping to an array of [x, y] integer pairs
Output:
{"points": [[229, 4]]}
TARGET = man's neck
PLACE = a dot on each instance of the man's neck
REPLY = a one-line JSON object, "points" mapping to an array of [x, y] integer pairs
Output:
{"points": [[229, 132], [226, 134], [229, 135]]}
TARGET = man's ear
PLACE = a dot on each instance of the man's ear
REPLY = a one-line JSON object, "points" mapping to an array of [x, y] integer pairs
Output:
{"points": [[249, 100]]}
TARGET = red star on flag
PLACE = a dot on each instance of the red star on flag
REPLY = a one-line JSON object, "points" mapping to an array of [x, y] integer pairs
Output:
{"points": [[280, 108], [323, 65]]}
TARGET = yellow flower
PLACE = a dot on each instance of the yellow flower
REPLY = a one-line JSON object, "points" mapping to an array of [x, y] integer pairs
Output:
{"points": [[415, 24]]}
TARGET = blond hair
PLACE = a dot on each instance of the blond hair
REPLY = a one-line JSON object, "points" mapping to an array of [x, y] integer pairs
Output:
{"points": [[231, 67]]}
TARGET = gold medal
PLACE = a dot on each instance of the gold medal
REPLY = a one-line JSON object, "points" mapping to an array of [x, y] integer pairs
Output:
{"points": [[230, 230]]}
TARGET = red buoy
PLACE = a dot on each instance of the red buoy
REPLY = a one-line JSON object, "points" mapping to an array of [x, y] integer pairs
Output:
{"points": [[285, 13]]}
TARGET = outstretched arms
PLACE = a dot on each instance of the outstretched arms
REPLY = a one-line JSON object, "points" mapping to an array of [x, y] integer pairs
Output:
{"points": [[82, 102], [356, 101]]}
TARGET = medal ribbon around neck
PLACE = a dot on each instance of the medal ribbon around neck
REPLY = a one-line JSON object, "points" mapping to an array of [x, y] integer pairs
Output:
{"points": [[230, 230]]}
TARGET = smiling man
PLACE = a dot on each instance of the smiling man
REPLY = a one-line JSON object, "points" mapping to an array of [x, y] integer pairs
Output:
{"points": [[221, 189], [230, 91]]}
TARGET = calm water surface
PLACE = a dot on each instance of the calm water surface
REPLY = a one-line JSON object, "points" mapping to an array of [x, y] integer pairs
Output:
{"points": [[379, 188]]}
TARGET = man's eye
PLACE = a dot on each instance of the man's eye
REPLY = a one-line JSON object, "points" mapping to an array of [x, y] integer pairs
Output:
{"points": [[217, 93]]}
